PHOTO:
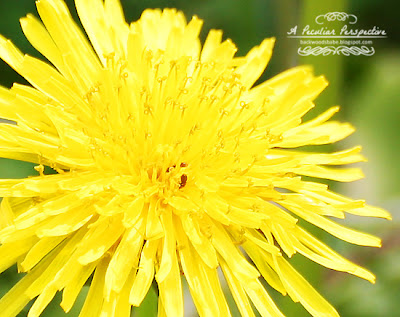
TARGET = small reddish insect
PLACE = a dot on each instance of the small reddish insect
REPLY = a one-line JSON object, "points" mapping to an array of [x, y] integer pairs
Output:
{"points": [[183, 181]]}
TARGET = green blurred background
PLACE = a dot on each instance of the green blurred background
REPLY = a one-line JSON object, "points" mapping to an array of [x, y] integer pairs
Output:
{"points": [[367, 88]]}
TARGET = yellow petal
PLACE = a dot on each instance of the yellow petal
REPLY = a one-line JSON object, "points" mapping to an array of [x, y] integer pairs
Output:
{"points": [[154, 228], [261, 299], [38, 36], [39, 251], [145, 273], [322, 254], [256, 61], [264, 262], [6, 215], [169, 246], [94, 300], [10, 252], [125, 257], [170, 288], [335, 229], [99, 239], [337, 174], [42, 301], [69, 38], [200, 242], [133, 212], [203, 281], [225, 247], [238, 292], [17, 298], [72, 289], [300, 290], [91, 13]]}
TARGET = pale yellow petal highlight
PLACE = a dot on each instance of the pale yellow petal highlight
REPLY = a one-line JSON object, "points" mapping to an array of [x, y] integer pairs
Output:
{"points": [[99, 238], [92, 16], [300, 290], [17, 298], [170, 288], [325, 133], [335, 229], [351, 206], [73, 288], [123, 307], [133, 212], [69, 39], [10, 54], [40, 39], [125, 257], [6, 214], [39, 251], [264, 262], [336, 158], [160, 309], [169, 246], [256, 61], [42, 301], [203, 281], [10, 252], [261, 300], [200, 242], [59, 258], [145, 273], [154, 228], [94, 300], [337, 174], [237, 262], [238, 292], [322, 254]]}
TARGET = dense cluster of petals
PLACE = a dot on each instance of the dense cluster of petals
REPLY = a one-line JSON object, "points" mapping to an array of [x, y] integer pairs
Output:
{"points": [[168, 164]]}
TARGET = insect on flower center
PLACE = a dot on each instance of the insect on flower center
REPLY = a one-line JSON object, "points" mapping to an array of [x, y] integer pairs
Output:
{"points": [[183, 178]]}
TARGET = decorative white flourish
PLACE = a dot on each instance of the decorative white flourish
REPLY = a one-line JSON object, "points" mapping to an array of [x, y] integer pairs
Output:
{"points": [[336, 50], [332, 16]]}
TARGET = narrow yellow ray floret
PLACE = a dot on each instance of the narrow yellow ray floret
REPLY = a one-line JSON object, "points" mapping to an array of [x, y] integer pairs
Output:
{"points": [[167, 163]]}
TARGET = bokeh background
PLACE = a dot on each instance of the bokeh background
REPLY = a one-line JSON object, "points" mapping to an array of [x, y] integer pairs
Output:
{"points": [[367, 88]]}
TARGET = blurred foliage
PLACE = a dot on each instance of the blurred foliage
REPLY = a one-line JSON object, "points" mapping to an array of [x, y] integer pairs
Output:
{"points": [[367, 89], [375, 110]]}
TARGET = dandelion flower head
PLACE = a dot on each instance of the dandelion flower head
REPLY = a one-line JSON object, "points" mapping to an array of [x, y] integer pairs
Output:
{"points": [[169, 164]]}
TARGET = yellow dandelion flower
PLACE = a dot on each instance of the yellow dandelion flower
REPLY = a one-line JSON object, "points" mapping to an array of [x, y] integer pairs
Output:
{"points": [[169, 165]]}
